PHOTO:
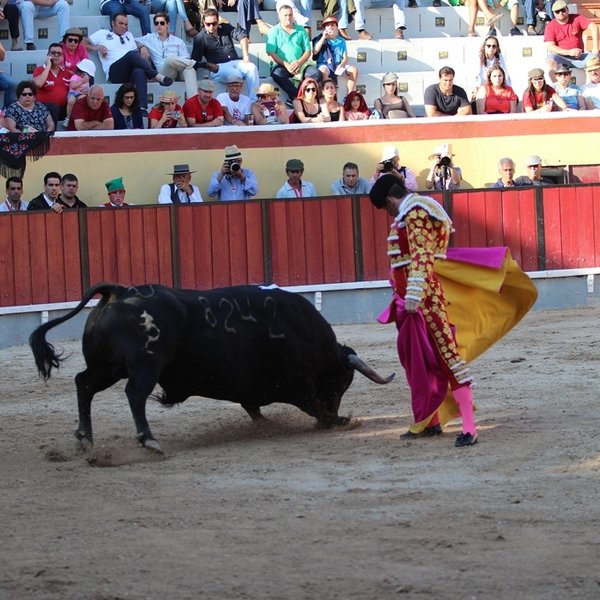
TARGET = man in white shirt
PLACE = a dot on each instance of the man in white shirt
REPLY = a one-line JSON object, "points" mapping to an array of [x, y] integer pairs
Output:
{"points": [[181, 191], [121, 59], [294, 187], [14, 192], [236, 106], [169, 54], [591, 91]]}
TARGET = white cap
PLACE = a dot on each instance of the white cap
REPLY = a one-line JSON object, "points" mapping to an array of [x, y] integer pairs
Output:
{"points": [[389, 152], [87, 66]]}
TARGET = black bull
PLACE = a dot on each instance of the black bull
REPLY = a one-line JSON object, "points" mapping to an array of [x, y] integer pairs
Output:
{"points": [[245, 344]]}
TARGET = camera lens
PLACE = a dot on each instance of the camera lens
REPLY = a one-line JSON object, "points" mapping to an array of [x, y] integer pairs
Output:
{"points": [[445, 161], [235, 167]]}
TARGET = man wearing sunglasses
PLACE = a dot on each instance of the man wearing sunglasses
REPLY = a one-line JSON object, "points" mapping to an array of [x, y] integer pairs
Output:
{"points": [[213, 50], [169, 54], [564, 37], [121, 60], [52, 80]]}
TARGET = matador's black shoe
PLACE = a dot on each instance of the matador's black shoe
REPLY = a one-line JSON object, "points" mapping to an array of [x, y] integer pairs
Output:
{"points": [[427, 432], [465, 439]]}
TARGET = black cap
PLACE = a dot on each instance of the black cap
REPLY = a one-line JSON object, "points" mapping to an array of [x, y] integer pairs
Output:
{"points": [[381, 189]]}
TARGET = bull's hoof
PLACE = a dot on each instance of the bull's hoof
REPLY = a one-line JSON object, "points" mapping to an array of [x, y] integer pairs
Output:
{"points": [[334, 421], [153, 445], [83, 443]]}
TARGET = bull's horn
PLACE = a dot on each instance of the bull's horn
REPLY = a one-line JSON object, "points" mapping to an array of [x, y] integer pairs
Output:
{"points": [[367, 371]]}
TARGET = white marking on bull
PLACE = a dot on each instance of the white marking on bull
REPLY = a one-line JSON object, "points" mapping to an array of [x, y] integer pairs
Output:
{"points": [[248, 316], [269, 300], [147, 322], [209, 316], [228, 328]]}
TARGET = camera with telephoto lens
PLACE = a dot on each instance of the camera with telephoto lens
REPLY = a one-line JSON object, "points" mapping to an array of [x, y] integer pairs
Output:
{"points": [[234, 167], [387, 166], [445, 161]]}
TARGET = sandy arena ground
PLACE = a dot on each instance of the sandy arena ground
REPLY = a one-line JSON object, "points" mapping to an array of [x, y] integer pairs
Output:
{"points": [[283, 510]]}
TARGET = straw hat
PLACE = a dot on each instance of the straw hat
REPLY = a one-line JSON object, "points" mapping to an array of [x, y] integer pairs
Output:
{"points": [[169, 96], [266, 89]]}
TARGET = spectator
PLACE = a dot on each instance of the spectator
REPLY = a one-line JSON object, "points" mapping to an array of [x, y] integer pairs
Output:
{"points": [[490, 55], [330, 102], [249, 13], [233, 182], [591, 90], [513, 9], [539, 96], [236, 106], [443, 175], [269, 109], [14, 193], [489, 17], [214, 46], [26, 115], [173, 8], [289, 46], [446, 99], [73, 49], [295, 187], [112, 8], [307, 108], [48, 199], [534, 170], [203, 110], [398, 8], [506, 168], [52, 81], [10, 12], [167, 114], [79, 84], [7, 84], [169, 54], [564, 38], [91, 112], [355, 107], [69, 184], [390, 164], [121, 59], [126, 110], [116, 194], [301, 12], [391, 105], [331, 54], [359, 20], [350, 184], [181, 191], [569, 92], [43, 9], [495, 97]]}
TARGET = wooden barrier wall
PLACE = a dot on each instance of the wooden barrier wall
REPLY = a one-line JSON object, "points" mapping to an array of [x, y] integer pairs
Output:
{"points": [[46, 257]]}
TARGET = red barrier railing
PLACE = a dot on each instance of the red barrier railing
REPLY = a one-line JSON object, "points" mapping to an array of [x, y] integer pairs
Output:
{"points": [[47, 258]]}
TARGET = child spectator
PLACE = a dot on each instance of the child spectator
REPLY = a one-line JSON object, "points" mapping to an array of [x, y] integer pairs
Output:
{"points": [[329, 50], [79, 84], [355, 107]]}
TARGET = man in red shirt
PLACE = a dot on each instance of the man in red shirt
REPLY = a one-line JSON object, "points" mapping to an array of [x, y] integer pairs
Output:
{"points": [[52, 81], [203, 110], [564, 38], [91, 112]]}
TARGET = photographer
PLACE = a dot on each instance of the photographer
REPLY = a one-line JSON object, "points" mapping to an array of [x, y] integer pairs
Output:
{"points": [[390, 165], [233, 182], [167, 114], [443, 175]]}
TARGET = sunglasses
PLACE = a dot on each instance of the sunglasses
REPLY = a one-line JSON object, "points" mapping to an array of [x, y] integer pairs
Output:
{"points": [[560, 10], [565, 74], [27, 94], [211, 24], [55, 53], [310, 89], [73, 40], [491, 45], [160, 22]]}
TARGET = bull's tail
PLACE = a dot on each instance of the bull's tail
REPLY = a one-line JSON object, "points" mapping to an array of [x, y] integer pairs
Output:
{"points": [[46, 357]]}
